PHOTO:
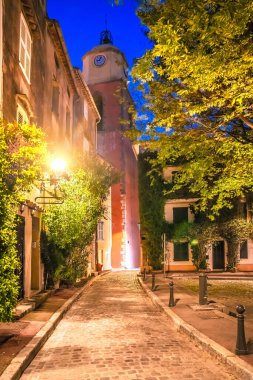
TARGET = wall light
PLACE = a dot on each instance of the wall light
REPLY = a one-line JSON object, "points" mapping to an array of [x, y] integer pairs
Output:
{"points": [[21, 208]]}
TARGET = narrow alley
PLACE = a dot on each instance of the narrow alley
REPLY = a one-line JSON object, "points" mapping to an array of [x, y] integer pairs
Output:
{"points": [[115, 332]]}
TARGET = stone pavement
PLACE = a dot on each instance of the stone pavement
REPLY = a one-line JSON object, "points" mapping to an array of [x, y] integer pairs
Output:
{"points": [[114, 331], [212, 319], [23, 330]]}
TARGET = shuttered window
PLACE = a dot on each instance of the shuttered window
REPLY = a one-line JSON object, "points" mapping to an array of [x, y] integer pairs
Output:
{"points": [[22, 116], [180, 214], [244, 250], [100, 230], [25, 47], [181, 252]]}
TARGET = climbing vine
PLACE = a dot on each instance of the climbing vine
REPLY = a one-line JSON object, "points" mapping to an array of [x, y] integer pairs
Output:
{"points": [[151, 211], [22, 150]]}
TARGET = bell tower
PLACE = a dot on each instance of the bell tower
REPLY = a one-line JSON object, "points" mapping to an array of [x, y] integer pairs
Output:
{"points": [[105, 72]]}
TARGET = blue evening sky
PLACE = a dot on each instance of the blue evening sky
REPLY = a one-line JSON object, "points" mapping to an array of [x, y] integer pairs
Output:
{"points": [[83, 20]]}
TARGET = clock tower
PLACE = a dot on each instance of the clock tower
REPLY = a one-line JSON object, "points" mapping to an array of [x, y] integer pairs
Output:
{"points": [[105, 72]]}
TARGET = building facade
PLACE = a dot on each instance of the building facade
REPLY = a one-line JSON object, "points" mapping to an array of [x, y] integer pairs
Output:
{"points": [[178, 254], [39, 85], [105, 72]]}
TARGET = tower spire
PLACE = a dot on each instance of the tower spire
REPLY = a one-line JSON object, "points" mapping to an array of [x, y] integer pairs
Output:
{"points": [[106, 35]]}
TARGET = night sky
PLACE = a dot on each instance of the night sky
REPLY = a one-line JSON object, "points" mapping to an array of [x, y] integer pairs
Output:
{"points": [[83, 20]]}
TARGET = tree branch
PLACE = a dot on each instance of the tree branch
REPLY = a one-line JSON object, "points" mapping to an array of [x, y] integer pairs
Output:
{"points": [[246, 121]]}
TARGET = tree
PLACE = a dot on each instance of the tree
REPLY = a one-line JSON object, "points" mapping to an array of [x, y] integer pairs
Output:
{"points": [[71, 226], [22, 153], [197, 80], [217, 171], [199, 71]]}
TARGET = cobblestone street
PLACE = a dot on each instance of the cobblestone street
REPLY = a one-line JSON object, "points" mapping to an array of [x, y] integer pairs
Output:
{"points": [[115, 332]]}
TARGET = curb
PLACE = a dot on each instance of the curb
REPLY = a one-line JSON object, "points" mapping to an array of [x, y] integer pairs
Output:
{"points": [[237, 365], [22, 360]]}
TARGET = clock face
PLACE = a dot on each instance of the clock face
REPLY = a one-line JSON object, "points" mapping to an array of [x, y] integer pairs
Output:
{"points": [[99, 60]]}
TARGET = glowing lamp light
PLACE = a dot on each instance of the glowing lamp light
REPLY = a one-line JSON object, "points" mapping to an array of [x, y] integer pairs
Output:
{"points": [[58, 165]]}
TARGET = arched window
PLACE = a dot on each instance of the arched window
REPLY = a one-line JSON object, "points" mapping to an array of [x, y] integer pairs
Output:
{"points": [[99, 103]]}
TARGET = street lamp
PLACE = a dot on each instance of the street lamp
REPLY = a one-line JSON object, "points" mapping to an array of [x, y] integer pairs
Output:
{"points": [[58, 165], [49, 186]]}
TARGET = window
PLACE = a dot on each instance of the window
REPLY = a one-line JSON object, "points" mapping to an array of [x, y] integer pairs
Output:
{"points": [[55, 100], [25, 47], [56, 61], [173, 175], [22, 116], [181, 252], [68, 123], [244, 250], [99, 103], [100, 230], [85, 109], [180, 214]]}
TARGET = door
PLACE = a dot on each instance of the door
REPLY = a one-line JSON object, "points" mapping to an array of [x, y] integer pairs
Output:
{"points": [[21, 253], [218, 255]]}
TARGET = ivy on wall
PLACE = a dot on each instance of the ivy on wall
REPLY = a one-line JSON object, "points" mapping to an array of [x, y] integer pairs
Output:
{"points": [[151, 211]]}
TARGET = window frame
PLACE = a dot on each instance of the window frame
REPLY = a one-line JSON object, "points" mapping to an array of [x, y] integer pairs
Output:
{"points": [[24, 115], [244, 248], [181, 221], [100, 231], [174, 253], [25, 46]]}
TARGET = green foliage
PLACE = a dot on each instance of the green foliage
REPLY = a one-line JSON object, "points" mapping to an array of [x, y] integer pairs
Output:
{"points": [[22, 152], [75, 265], [235, 231], [197, 80], [200, 64], [70, 226], [216, 171], [201, 236], [151, 211]]}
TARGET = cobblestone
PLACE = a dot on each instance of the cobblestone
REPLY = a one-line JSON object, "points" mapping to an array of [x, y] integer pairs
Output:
{"points": [[115, 332]]}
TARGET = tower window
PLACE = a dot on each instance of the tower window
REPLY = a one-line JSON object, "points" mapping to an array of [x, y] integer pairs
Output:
{"points": [[99, 103]]}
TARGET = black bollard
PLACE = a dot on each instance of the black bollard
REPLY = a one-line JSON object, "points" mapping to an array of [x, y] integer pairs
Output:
{"points": [[153, 281], [241, 345], [144, 274], [171, 301], [202, 289]]}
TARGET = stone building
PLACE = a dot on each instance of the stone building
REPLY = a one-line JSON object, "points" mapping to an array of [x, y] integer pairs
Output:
{"points": [[105, 72], [178, 254], [39, 85]]}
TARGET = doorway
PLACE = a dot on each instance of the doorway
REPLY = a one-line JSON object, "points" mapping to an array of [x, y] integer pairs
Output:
{"points": [[219, 255], [35, 262], [21, 254]]}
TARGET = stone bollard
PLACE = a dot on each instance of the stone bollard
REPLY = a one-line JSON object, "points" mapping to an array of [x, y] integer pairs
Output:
{"points": [[153, 281], [202, 289], [171, 301], [241, 345], [144, 274]]}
